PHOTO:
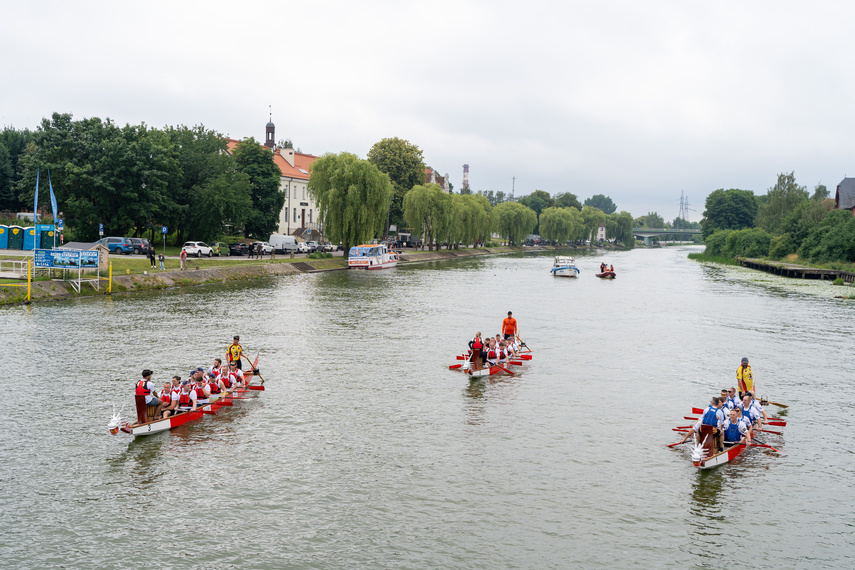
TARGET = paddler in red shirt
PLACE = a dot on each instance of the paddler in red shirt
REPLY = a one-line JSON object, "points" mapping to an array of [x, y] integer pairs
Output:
{"points": [[509, 326]]}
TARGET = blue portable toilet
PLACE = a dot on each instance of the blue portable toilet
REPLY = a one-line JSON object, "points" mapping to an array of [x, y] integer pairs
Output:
{"points": [[44, 236], [29, 239], [16, 237], [4, 237]]}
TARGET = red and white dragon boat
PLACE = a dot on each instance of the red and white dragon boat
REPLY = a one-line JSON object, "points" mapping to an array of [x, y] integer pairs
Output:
{"points": [[147, 424], [704, 455], [473, 365]]}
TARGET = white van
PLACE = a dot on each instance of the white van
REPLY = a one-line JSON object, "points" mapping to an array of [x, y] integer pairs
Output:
{"points": [[283, 244]]}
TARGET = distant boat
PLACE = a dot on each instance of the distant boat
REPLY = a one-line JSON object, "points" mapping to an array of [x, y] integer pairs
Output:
{"points": [[371, 256], [564, 266]]}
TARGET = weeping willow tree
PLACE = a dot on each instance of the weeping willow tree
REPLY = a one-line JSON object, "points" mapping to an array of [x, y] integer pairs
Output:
{"points": [[558, 224], [427, 208], [353, 197], [514, 221]]}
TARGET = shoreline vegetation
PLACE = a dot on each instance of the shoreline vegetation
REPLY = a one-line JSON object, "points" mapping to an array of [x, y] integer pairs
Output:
{"points": [[135, 274]]}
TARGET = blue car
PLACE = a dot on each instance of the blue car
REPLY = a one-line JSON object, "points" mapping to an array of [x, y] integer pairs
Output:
{"points": [[117, 244]]}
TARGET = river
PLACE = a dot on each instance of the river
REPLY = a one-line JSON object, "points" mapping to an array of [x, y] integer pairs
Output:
{"points": [[366, 451]]}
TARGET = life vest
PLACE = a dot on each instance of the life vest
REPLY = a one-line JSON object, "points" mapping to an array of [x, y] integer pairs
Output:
{"points": [[142, 388], [491, 354], [214, 387], [184, 400], [200, 394], [476, 344], [748, 415], [732, 432], [710, 417]]}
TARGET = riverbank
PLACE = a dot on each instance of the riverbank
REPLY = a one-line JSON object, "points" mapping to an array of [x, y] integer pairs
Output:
{"points": [[132, 275]]}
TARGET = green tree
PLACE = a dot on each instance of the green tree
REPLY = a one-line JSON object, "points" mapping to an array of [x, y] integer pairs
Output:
{"points": [[256, 161], [601, 202], [472, 219], [653, 220], [404, 163], [802, 220], [430, 210], [514, 221], [782, 199], [226, 197], [8, 200], [820, 193], [833, 239], [748, 242], [353, 197], [729, 210], [592, 217], [568, 200], [558, 224], [621, 229]]}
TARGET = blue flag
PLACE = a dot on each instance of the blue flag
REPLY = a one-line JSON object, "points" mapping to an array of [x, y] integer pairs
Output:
{"points": [[36, 200], [52, 197]]}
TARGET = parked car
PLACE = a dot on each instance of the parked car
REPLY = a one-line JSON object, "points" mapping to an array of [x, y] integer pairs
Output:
{"points": [[302, 247], [313, 246], [141, 245], [266, 248], [220, 248], [327, 247], [117, 244], [197, 248], [238, 248]]}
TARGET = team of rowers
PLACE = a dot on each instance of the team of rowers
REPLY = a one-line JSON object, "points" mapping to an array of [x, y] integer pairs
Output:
{"points": [[733, 420], [200, 386], [606, 268], [187, 395]]}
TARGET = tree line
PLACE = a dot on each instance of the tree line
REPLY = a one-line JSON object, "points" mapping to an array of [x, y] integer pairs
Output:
{"points": [[135, 179], [787, 222]]}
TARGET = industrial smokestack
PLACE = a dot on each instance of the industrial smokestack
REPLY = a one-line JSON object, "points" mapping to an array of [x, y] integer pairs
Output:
{"points": [[465, 175]]}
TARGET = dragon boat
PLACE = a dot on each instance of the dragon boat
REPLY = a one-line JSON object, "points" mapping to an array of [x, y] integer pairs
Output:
{"points": [[147, 423]]}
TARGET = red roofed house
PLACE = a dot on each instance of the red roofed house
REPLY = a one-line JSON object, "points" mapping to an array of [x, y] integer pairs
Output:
{"points": [[299, 215], [431, 177]]}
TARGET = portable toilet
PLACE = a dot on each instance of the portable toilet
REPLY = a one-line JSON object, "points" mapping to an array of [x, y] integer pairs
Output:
{"points": [[16, 237], [44, 236], [4, 237], [29, 239]]}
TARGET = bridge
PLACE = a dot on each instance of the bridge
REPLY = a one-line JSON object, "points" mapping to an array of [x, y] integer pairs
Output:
{"points": [[649, 236]]}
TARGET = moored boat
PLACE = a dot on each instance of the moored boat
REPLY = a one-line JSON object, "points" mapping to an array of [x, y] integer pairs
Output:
{"points": [[564, 266], [371, 256]]}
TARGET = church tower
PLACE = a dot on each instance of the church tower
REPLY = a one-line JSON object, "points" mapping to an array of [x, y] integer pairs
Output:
{"points": [[270, 133]]}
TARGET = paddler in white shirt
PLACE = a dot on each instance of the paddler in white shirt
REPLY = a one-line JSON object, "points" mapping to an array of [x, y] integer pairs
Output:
{"points": [[236, 375], [169, 405], [750, 414], [757, 407], [734, 429], [713, 416]]}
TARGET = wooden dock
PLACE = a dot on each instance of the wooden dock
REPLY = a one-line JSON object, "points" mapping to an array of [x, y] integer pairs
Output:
{"points": [[796, 271]]}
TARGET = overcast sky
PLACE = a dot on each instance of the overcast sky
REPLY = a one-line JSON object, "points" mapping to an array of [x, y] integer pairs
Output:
{"points": [[635, 100]]}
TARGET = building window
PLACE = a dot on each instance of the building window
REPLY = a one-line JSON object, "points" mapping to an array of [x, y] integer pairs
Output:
{"points": [[304, 192], [295, 191], [295, 214], [310, 215]]}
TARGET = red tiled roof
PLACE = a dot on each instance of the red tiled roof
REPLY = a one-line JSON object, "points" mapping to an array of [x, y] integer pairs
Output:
{"points": [[301, 161]]}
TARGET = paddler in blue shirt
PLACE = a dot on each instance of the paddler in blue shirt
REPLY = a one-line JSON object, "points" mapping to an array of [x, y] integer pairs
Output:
{"points": [[713, 416], [735, 430]]}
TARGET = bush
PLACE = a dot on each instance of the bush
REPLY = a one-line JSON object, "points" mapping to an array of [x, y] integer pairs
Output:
{"points": [[838, 281], [833, 239], [320, 255], [781, 246], [717, 243], [750, 242]]}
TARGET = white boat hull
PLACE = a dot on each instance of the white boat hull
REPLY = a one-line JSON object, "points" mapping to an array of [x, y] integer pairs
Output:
{"points": [[568, 271]]}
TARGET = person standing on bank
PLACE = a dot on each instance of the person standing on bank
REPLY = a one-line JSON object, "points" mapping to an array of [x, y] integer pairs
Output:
{"points": [[151, 258], [509, 326], [183, 258], [161, 259], [745, 378], [235, 351]]}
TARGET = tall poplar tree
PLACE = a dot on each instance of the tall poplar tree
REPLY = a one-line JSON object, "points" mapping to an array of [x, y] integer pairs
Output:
{"points": [[404, 163]]}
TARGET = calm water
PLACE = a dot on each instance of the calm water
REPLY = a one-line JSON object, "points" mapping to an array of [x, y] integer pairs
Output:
{"points": [[367, 451]]}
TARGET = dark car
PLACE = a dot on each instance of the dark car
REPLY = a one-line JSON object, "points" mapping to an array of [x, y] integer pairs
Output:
{"points": [[238, 249], [141, 245]]}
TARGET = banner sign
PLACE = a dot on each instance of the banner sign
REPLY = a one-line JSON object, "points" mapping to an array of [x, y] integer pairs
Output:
{"points": [[66, 259]]}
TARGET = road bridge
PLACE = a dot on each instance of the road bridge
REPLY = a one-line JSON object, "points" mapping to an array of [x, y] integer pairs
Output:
{"points": [[650, 236]]}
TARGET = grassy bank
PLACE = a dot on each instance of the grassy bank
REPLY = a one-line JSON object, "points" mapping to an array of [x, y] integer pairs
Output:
{"points": [[724, 260]]}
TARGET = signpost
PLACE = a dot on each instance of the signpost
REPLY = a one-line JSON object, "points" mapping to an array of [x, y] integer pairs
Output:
{"points": [[163, 231], [101, 230]]}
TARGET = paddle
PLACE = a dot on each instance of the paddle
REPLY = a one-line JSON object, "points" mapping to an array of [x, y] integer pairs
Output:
{"points": [[461, 357], [525, 356], [503, 368], [777, 404], [764, 445], [770, 431], [455, 366], [677, 443], [254, 366]]}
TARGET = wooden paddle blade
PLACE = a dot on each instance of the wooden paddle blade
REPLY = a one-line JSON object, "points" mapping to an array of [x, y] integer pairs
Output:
{"points": [[764, 445], [679, 429], [525, 357], [515, 363], [211, 412], [770, 431], [460, 357], [261, 388], [454, 366], [690, 418], [777, 404], [778, 423], [676, 443], [697, 411]]}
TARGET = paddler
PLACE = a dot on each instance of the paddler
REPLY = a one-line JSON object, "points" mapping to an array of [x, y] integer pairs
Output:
{"points": [[187, 398], [755, 405], [713, 416], [732, 400], [744, 378], [734, 429], [145, 387], [509, 326], [726, 403], [169, 396], [750, 414], [235, 351]]}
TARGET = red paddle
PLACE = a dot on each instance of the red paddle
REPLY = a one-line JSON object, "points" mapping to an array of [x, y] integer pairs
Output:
{"points": [[454, 366]]}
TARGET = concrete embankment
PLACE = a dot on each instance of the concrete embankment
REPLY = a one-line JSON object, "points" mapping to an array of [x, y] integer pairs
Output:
{"points": [[796, 271]]}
